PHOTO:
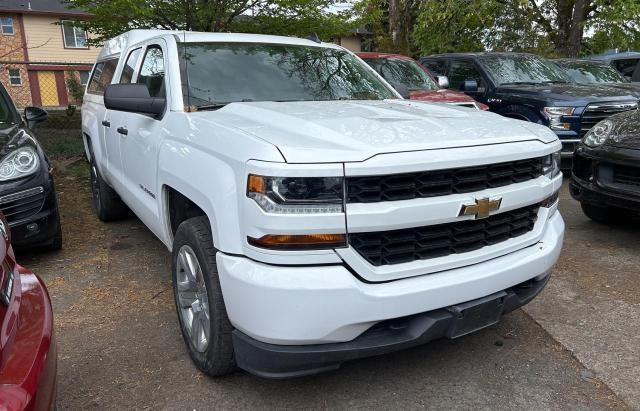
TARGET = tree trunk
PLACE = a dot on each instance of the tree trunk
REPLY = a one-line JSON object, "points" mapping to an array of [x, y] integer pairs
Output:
{"points": [[570, 21]]}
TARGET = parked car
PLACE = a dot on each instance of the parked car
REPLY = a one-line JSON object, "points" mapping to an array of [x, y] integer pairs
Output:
{"points": [[313, 215], [27, 191], [531, 88], [627, 63], [606, 169], [584, 71], [28, 355], [413, 81]]}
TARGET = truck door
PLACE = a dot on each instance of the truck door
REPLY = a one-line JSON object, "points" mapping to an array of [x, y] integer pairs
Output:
{"points": [[140, 144]]}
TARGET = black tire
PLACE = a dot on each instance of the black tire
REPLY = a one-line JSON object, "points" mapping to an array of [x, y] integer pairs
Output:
{"points": [[106, 202], [218, 357], [521, 113], [56, 244], [603, 214]]}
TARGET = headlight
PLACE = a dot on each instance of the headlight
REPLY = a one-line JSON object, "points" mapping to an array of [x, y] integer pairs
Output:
{"points": [[551, 164], [598, 134], [555, 114], [19, 163], [297, 195]]}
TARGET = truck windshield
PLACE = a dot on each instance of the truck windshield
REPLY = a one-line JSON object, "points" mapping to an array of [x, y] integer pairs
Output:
{"points": [[522, 69], [220, 73], [590, 73], [8, 114], [402, 71]]}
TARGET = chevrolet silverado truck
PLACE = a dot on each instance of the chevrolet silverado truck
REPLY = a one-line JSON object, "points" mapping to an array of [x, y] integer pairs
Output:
{"points": [[313, 215]]}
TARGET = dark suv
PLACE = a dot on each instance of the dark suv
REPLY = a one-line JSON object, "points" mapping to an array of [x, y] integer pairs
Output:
{"points": [[627, 63], [531, 88]]}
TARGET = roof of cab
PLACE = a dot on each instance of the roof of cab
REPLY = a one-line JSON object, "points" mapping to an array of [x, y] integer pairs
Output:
{"points": [[116, 45]]}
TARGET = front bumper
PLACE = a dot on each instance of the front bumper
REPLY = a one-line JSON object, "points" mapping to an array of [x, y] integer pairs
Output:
{"points": [[313, 305], [286, 361], [590, 183], [31, 207], [28, 373]]}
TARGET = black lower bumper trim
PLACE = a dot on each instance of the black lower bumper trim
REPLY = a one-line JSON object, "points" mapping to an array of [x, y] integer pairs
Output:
{"points": [[287, 361], [591, 194]]}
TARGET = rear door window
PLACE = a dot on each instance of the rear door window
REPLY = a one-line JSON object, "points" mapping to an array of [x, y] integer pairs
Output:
{"points": [[152, 71], [102, 76]]}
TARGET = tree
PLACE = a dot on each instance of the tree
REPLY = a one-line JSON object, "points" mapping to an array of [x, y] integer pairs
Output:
{"points": [[552, 27], [286, 17]]}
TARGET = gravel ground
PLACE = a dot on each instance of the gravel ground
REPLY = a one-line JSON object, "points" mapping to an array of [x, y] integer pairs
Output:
{"points": [[576, 346]]}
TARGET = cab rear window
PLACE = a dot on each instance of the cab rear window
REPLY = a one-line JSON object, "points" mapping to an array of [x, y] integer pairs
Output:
{"points": [[102, 75]]}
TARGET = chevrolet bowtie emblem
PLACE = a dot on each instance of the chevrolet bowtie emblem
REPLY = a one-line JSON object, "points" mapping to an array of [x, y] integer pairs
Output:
{"points": [[481, 209]]}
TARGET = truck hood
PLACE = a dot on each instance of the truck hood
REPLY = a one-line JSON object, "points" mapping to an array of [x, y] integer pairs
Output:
{"points": [[342, 131], [574, 94], [441, 96]]}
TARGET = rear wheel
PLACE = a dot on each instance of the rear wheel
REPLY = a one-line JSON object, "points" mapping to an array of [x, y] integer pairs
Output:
{"points": [[106, 202], [201, 311]]}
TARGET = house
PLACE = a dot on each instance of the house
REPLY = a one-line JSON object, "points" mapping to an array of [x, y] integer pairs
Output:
{"points": [[357, 40], [41, 47]]}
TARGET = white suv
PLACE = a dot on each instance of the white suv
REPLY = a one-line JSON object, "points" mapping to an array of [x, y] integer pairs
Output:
{"points": [[315, 216]]}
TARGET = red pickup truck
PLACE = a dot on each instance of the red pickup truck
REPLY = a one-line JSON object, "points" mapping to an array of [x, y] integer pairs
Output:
{"points": [[28, 360], [414, 81]]}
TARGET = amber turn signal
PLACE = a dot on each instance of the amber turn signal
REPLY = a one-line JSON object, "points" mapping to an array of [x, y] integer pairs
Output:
{"points": [[256, 184], [299, 242]]}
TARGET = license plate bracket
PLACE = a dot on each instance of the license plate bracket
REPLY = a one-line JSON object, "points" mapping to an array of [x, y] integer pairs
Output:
{"points": [[475, 315]]}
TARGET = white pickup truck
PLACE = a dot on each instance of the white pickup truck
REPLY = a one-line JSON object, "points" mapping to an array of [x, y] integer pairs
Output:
{"points": [[314, 216]]}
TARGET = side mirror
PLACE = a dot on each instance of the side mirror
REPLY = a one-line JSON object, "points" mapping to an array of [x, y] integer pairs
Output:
{"points": [[402, 90], [469, 85], [34, 115], [443, 81], [133, 98]]}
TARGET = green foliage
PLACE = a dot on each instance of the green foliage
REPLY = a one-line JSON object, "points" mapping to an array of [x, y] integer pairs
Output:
{"points": [[75, 88], [545, 27], [285, 17]]}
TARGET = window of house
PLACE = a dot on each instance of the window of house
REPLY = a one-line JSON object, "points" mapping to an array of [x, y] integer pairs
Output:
{"points": [[14, 77], [84, 77], [6, 25], [152, 71], [102, 75], [74, 36]]}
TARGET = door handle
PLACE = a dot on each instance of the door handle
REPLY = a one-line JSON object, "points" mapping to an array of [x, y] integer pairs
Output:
{"points": [[123, 131], [106, 123]]}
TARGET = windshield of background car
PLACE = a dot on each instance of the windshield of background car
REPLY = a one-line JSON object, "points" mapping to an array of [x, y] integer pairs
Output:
{"points": [[405, 72], [8, 114], [233, 72], [590, 73], [522, 69]]}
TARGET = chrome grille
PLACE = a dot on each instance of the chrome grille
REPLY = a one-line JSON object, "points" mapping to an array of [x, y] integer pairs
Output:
{"points": [[594, 113], [21, 205]]}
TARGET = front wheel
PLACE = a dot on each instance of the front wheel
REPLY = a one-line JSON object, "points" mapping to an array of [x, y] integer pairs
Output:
{"points": [[201, 311]]}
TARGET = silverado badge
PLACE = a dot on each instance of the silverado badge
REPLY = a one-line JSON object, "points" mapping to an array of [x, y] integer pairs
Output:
{"points": [[481, 209]]}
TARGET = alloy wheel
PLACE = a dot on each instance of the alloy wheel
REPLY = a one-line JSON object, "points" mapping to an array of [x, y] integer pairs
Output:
{"points": [[193, 301]]}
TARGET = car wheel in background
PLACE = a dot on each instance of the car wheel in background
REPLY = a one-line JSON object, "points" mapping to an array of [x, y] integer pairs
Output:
{"points": [[106, 202], [201, 311], [604, 214]]}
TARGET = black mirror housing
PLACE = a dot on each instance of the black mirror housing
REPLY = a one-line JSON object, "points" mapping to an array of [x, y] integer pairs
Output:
{"points": [[35, 115], [133, 98], [469, 85]]}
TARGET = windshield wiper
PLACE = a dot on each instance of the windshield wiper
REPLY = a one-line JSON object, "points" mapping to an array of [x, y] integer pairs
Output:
{"points": [[219, 105], [555, 82], [518, 83]]}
